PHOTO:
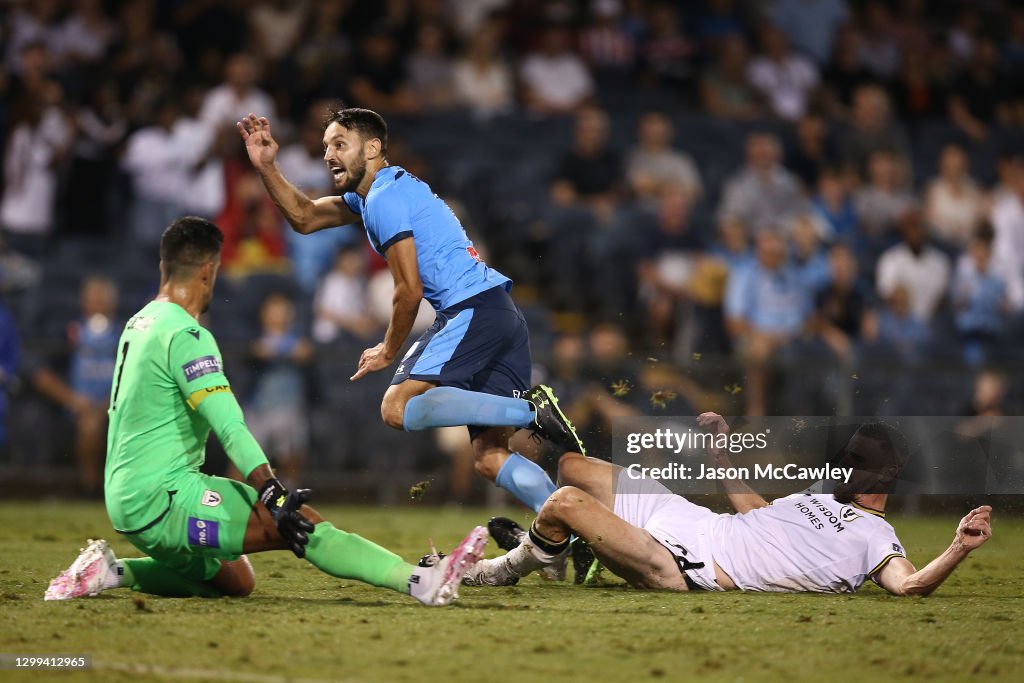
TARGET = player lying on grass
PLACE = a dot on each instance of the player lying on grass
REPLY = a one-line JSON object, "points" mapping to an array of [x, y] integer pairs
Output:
{"points": [[472, 367], [655, 539], [169, 391]]}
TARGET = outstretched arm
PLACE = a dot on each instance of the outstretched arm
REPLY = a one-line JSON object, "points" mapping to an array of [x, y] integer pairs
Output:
{"points": [[899, 577], [405, 304], [741, 496], [304, 214]]}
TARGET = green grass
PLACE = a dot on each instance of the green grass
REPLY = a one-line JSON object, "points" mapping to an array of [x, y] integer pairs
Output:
{"points": [[302, 625]]}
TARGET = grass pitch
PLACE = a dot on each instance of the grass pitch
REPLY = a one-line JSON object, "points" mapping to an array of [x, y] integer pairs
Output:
{"points": [[304, 626]]}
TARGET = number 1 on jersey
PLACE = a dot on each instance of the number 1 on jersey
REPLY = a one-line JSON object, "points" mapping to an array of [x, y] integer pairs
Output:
{"points": [[120, 370]]}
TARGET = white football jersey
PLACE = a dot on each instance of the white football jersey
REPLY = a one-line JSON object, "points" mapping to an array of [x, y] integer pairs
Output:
{"points": [[803, 542]]}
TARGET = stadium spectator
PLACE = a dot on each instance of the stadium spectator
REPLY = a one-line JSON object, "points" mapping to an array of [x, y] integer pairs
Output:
{"points": [[725, 91], [841, 306], [1008, 214], [430, 69], [84, 391], [810, 26], [554, 79], [321, 57], [38, 142], [984, 294], [918, 95], [380, 80], [340, 305], [160, 168], [86, 33], [845, 73], [667, 251], [275, 27], [605, 42], [34, 23], [896, 330], [785, 78], [653, 165], [879, 50], [808, 254], [954, 204], [813, 150], [482, 78], [732, 244], [666, 52], [977, 99], [101, 126], [276, 412], [919, 268], [762, 194], [834, 204], [881, 203], [872, 130], [591, 172], [766, 306], [237, 96], [253, 235]]}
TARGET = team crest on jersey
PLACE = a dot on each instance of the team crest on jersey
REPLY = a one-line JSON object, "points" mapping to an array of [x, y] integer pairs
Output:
{"points": [[211, 499], [849, 514]]}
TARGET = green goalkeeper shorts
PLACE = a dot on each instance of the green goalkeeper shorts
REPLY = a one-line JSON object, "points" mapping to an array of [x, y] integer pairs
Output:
{"points": [[204, 525]]}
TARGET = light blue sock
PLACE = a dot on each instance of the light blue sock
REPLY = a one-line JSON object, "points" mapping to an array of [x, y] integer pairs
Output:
{"points": [[452, 407], [525, 480]]}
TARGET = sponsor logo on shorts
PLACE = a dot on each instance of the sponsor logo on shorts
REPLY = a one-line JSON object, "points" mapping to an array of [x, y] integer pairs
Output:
{"points": [[897, 549], [203, 532], [849, 514], [211, 498], [205, 365]]}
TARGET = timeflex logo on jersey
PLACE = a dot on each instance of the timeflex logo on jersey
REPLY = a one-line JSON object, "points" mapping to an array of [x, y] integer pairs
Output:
{"points": [[204, 365]]}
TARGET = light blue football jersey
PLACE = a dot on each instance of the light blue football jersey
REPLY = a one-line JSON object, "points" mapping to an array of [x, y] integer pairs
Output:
{"points": [[398, 206]]}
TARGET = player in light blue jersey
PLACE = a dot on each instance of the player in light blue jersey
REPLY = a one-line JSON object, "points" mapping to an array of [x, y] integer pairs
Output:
{"points": [[472, 367]]}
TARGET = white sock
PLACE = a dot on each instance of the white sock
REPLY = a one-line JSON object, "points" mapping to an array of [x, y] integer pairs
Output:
{"points": [[527, 557], [115, 576]]}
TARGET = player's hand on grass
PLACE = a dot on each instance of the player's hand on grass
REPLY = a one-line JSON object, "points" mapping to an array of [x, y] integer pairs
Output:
{"points": [[716, 424], [259, 143], [975, 528], [284, 507], [372, 360]]}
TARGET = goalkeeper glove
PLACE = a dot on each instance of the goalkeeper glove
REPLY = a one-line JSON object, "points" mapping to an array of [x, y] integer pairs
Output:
{"points": [[284, 508]]}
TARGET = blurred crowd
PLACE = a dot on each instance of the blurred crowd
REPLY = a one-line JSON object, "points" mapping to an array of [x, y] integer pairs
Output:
{"points": [[774, 196]]}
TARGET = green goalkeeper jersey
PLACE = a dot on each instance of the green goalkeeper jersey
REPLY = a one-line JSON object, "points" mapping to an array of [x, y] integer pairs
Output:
{"points": [[168, 391]]}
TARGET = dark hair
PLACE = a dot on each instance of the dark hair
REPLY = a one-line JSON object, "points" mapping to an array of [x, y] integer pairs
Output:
{"points": [[368, 123], [189, 242], [891, 440]]}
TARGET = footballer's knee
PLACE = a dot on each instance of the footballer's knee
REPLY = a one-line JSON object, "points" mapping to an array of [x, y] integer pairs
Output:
{"points": [[566, 503], [236, 578], [392, 408]]}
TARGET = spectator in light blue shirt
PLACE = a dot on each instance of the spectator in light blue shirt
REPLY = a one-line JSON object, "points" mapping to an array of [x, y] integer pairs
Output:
{"points": [[983, 295], [766, 306]]}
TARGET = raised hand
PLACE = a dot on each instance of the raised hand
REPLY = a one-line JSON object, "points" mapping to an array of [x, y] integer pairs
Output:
{"points": [[259, 143], [716, 424], [975, 528]]}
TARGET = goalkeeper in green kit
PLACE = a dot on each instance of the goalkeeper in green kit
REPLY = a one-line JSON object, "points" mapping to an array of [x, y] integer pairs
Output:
{"points": [[169, 390]]}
